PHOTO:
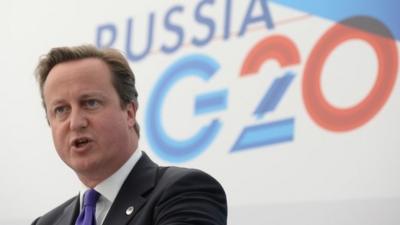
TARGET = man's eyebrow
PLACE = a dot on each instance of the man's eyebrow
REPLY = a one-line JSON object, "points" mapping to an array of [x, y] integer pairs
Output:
{"points": [[91, 95], [56, 102]]}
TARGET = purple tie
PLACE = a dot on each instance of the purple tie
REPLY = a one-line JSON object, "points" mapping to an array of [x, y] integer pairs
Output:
{"points": [[87, 216]]}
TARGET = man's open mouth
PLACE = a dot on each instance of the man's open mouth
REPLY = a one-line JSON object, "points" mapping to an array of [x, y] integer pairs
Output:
{"points": [[80, 142]]}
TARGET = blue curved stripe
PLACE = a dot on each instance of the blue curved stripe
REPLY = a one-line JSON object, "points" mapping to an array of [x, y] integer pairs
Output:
{"points": [[386, 11]]}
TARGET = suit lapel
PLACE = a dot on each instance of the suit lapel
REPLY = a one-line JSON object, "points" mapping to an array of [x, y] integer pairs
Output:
{"points": [[141, 179], [70, 213]]}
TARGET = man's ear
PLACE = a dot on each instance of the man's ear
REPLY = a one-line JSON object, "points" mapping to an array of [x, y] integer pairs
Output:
{"points": [[131, 109]]}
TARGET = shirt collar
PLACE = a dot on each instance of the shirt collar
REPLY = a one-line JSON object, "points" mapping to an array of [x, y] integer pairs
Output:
{"points": [[109, 187]]}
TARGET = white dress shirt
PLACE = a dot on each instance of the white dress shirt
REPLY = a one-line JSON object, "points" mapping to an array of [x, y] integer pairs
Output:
{"points": [[109, 188]]}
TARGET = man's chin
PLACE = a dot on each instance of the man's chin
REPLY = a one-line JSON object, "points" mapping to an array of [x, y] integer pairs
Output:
{"points": [[83, 168]]}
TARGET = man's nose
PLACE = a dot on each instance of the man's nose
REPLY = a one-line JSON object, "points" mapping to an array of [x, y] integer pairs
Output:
{"points": [[78, 120]]}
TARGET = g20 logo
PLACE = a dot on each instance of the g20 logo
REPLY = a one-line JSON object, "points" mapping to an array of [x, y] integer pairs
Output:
{"points": [[282, 50]]}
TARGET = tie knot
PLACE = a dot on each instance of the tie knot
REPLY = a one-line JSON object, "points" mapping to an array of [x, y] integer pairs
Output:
{"points": [[90, 197]]}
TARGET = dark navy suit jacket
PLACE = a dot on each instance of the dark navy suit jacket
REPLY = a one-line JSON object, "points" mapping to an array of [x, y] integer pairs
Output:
{"points": [[159, 196]]}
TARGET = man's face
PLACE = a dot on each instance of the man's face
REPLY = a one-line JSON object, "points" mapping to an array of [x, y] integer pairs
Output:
{"points": [[92, 133]]}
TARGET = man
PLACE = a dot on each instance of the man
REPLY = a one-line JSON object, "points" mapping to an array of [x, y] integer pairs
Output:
{"points": [[90, 100]]}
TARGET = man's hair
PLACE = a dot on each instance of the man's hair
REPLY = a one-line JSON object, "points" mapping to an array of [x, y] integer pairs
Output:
{"points": [[123, 78]]}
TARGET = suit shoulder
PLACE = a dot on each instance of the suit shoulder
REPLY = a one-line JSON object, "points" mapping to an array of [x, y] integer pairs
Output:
{"points": [[190, 195], [54, 214], [185, 181], [179, 174]]}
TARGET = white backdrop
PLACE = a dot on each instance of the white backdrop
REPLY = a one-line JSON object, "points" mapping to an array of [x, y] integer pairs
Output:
{"points": [[318, 176]]}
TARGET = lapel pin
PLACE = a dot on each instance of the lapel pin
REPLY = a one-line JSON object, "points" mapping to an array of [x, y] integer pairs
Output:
{"points": [[129, 210]]}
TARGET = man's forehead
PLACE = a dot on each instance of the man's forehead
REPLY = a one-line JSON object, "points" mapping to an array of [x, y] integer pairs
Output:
{"points": [[85, 77], [85, 70]]}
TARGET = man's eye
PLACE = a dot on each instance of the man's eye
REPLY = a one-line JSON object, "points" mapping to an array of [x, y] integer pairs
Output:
{"points": [[60, 110], [92, 103]]}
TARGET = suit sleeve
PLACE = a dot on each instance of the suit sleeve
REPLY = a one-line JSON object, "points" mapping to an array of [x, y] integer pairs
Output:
{"points": [[193, 199]]}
